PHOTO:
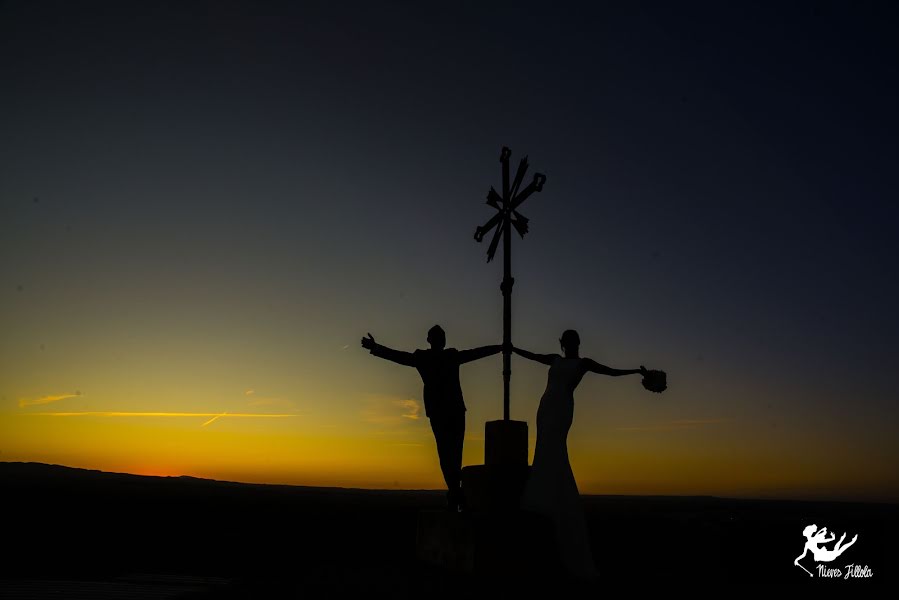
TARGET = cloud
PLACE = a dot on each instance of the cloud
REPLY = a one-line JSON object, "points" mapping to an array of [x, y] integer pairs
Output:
{"points": [[23, 402], [410, 408], [249, 392], [676, 424], [383, 409]]}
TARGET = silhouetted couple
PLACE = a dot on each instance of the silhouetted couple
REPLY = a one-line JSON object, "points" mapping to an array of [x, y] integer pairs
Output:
{"points": [[551, 489]]}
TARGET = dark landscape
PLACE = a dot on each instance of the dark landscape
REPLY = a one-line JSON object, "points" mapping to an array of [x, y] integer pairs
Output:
{"points": [[87, 534]]}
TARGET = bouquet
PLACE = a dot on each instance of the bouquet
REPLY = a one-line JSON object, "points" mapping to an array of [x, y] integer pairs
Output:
{"points": [[655, 381]]}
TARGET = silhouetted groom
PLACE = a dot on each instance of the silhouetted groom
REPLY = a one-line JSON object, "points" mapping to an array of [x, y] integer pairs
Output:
{"points": [[439, 370]]}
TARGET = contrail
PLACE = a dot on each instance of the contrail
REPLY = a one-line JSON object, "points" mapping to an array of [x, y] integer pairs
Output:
{"points": [[213, 419]]}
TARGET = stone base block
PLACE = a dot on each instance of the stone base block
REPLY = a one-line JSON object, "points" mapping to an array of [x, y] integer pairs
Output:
{"points": [[492, 488], [506, 443]]}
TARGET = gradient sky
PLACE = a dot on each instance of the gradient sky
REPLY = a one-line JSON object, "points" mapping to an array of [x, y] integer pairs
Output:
{"points": [[206, 205]]}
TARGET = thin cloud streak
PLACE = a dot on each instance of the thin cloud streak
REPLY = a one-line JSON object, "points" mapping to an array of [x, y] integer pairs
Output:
{"points": [[157, 414], [23, 402]]}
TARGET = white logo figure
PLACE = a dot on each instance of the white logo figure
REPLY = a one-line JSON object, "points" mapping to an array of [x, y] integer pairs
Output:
{"points": [[814, 538]]}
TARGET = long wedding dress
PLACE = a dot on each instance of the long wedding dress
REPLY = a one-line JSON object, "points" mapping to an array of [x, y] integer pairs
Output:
{"points": [[551, 489]]}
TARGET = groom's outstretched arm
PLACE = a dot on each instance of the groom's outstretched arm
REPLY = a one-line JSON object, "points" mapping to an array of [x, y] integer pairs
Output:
{"points": [[465, 356], [595, 367], [397, 356]]}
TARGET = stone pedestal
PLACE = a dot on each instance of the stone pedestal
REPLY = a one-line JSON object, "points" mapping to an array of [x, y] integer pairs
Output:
{"points": [[494, 488], [506, 443], [498, 483], [493, 536]]}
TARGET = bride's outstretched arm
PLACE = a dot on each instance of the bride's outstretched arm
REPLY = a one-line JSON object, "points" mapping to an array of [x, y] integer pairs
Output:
{"points": [[465, 356], [546, 359], [595, 367]]}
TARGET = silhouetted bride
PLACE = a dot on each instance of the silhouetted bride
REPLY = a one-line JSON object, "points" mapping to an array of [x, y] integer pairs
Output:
{"points": [[551, 489]]}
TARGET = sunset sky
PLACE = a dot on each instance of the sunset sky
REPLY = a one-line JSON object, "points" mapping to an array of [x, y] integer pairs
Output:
{"points": [[205, 206]]}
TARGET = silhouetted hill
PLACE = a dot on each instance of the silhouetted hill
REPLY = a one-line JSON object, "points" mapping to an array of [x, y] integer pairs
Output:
{"points": [[20, 473], [68, 524]]}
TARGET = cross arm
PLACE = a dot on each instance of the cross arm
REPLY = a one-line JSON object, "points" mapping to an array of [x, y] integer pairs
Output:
{"points": [[534, 186], [484, 229]]}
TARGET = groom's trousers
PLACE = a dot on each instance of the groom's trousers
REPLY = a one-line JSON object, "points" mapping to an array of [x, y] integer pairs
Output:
{"points": [[449, 432]]}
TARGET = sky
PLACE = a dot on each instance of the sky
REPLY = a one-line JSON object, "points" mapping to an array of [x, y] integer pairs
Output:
{"points": [[204, 206]]}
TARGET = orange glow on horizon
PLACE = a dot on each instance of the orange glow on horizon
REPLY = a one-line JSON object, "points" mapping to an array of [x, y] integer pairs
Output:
{"points": [[693, 457]]}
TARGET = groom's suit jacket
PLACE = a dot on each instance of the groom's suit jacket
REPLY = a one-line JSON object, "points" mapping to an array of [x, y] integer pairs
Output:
{"points": [[439, 370]]}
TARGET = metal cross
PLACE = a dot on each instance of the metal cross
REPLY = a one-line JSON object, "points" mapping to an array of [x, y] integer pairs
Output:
{"points": [[508, 216]]}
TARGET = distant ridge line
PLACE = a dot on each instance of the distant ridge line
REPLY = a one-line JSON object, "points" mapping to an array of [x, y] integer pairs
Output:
{"points": [[12, 470]]}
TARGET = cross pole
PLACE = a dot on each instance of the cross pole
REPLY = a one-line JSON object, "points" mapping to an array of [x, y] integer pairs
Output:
{"points": [[505, 218]]}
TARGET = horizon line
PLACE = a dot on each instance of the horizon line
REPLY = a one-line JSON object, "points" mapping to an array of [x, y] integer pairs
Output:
{"points": [[765, 498]]}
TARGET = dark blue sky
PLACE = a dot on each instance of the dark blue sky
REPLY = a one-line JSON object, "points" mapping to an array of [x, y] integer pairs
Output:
{"points": [[720, 196]]}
